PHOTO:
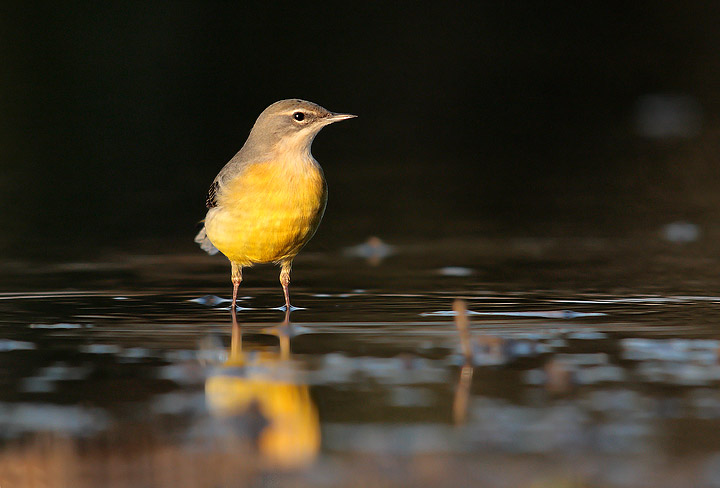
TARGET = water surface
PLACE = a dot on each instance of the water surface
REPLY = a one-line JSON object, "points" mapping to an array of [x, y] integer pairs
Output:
{"points": [[595, 363]]}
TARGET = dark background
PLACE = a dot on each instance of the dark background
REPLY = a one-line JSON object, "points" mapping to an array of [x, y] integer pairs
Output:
{"points": [[492, 118]]}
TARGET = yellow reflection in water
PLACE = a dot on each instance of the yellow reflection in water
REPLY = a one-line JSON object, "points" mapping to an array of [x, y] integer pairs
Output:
{"points": [[264, 386]]}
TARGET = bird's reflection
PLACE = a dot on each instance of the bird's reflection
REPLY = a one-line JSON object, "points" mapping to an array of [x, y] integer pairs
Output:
{"points": [[259, 394]]}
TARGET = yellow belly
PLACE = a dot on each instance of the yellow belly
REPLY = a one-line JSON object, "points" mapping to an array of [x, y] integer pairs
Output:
{"points": [[267, 213]]}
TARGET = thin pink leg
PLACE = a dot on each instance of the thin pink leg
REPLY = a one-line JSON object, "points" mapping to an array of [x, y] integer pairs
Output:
{"points": [[236, 279], [285, 282]]}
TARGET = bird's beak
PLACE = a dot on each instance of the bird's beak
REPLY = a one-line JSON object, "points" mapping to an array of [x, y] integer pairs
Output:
{"points": [[333, 117]]}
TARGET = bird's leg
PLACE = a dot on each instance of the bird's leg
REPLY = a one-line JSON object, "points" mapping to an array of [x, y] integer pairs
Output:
{"points": [[236, 279], [285, 282], [286, 320]]}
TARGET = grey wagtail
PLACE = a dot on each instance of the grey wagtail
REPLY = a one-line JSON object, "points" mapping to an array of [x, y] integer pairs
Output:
{"points": [[267, 202]]}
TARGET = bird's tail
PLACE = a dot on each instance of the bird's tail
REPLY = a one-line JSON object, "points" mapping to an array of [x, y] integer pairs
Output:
{"points": [[202, 239]]}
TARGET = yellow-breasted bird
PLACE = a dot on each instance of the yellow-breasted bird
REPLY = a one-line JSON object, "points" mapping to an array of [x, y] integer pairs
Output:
{"points": [[267, 202]]}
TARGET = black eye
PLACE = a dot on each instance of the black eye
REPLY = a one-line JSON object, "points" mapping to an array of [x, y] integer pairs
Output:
{"points": [[299, 116]]}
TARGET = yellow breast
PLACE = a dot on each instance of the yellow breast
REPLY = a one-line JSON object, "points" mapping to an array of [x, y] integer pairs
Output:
{"points": [[268, 212]]}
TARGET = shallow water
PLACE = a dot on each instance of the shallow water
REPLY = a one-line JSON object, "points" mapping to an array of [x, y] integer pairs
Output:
{"points": [[594, 363]]}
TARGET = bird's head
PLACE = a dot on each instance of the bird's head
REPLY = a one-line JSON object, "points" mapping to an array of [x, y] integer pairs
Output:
{"points": [[291, 125]]}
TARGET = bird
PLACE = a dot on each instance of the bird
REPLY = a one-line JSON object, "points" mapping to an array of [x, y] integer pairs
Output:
{"points": [[266, 203]]}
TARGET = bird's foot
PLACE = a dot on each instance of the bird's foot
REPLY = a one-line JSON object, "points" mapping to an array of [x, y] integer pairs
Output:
{"points": [[283, 308], [240, 308]]}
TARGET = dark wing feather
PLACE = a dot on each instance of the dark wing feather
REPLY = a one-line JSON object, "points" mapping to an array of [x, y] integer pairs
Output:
{"points": [[212, 196]]}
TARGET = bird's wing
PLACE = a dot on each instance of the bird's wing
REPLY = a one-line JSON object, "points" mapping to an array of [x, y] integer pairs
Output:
{"points": [[234, 168], [211, 200], [231, 170]]}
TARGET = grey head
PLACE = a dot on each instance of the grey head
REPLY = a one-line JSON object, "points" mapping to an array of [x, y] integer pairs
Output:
{"points": [[289, 125]]}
